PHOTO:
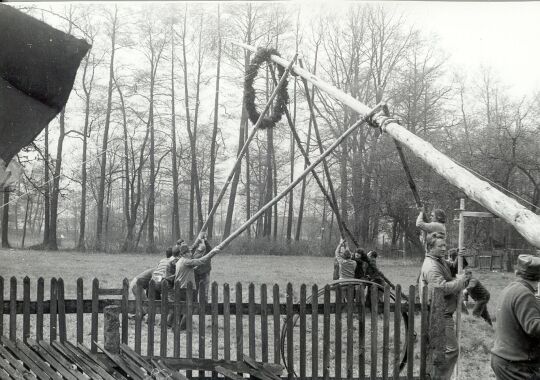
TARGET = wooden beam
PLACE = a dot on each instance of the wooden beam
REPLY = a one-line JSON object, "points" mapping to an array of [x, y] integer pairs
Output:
{"points": [[478, 214], [525, 221]]}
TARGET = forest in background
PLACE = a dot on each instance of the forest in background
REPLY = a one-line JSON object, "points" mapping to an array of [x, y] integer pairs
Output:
{"points": [[155, 119]]}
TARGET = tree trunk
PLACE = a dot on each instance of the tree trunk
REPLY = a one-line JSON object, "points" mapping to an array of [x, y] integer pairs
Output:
{"points": [[53, 243], [5, 220], [28, 205], [46, 195], [87, 91], [151, 245], [236, 178], [105, 143], [303, 191], [213, 152], [291, 158], [176, 209]]}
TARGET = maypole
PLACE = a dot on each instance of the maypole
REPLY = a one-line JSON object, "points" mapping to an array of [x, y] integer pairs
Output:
{"points": [[526, 222]]}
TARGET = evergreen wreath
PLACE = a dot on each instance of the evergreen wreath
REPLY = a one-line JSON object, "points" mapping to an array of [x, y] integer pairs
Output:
{"points": [[282, 97]]}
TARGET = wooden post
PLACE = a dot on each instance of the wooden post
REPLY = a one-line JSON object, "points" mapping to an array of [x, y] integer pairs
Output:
{"points": [[526, 222], [111, 330], [461, 247], [437, 336]]}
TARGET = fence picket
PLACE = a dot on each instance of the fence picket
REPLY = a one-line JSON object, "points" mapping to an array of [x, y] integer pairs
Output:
{"points": [[189, 324], [53, 310], [410, 347], [302, 318], [164, 318], [314, 331], [202, 323], [397, 332], [350, 331], [337, 333], [139, 314], [13, 308], [227, 322], [151, 318], [386, 332], [125, 319], [215, 325], [39, 308], [326, 334], [362, 332], [289, 327], [277, 322], [26, 308], [178, 313], [424, 330], [264, 323], [374, 298], [251, 320], [239, 325], [80, 310], [94, 326], [61, 311]]}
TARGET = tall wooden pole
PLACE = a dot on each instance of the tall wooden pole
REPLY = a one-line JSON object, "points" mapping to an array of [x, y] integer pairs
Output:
{"points": [[525, 221], [461, 247]]}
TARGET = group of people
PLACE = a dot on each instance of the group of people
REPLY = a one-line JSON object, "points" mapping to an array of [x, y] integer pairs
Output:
{"points": [[516, 351], [182, 265], [357, 265]]}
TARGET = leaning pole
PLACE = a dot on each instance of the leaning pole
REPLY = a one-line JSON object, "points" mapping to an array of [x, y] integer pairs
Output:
{"points": [[526, 222]]}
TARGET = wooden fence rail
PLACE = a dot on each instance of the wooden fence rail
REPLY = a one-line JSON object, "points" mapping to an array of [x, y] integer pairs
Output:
{"points": [[342, 332]]}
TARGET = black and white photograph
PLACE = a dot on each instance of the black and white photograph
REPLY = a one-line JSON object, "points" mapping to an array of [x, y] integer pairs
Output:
{"points": [[311, 190]]}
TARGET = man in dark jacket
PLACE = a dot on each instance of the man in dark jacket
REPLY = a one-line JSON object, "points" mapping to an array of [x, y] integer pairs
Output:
{"points": [[516, 352], [480, 295]]}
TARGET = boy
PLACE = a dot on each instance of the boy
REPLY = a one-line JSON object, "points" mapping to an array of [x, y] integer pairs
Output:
{"points": [[347, 266]]}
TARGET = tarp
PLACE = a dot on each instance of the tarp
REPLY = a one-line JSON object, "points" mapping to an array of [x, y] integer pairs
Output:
{"points": [[38, 65]]}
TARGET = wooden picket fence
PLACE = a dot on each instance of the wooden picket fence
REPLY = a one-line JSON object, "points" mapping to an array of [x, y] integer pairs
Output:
{"points": [[333, 332]]}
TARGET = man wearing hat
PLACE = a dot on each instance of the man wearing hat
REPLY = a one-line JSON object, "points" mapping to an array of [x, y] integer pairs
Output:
{"points": [[436, 272], [516, 352]]}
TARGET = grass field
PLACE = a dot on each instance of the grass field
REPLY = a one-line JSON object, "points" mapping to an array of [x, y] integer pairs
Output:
{"points": [[110, 269]]}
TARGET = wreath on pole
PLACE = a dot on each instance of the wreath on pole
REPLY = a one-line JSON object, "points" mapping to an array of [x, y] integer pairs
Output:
{"points": [[282, 98]]}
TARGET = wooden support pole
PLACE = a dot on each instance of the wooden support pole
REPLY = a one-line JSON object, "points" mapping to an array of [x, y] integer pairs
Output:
{"points": [[525, 221], [111, 330], [291, 186]]}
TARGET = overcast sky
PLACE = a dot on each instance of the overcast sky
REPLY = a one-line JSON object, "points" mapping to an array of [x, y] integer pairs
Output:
{"points": [[503, 35]]}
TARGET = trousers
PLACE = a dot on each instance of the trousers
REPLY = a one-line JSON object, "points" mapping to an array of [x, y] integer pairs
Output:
{"points": [[507, 370]]}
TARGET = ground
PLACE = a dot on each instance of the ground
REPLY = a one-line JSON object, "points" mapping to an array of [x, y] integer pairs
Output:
{"points": [[110, 269]]}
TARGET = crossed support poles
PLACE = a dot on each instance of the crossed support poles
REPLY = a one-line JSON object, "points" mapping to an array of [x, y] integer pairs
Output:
{"points": [[525, 221]]}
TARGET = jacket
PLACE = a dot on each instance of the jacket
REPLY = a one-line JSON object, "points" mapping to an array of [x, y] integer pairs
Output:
{"points": [[436, 273], [517, 334]]}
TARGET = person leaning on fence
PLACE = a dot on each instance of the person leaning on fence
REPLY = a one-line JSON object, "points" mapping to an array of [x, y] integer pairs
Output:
{"points": [[347, 265], [142, 282], [160, 272], [516, 351], [437, 223], [480, 296], [436, 273], [185, 273]]}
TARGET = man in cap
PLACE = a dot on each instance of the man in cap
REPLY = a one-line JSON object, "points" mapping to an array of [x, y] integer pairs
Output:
{"points": [[516, 352], [436, 273]]}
